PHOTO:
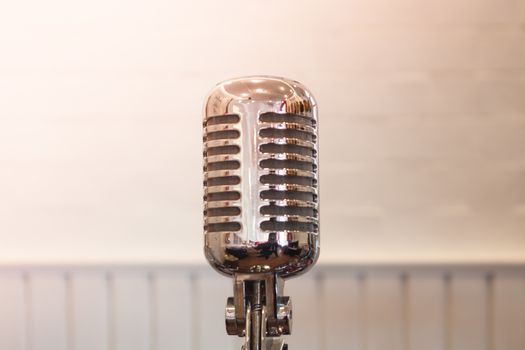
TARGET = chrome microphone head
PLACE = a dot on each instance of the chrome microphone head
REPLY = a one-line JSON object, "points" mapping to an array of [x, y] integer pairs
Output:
{"points": [[261, 204]]}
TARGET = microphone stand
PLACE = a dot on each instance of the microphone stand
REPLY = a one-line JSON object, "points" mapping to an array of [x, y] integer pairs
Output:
{"points": [[258, 311]]}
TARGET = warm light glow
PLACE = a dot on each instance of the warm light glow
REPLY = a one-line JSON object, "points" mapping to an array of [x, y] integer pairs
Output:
{"points": [[421, 124]]}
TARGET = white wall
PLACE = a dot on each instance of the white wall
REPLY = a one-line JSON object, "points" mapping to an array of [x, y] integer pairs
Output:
{"points": [[422, 109]]}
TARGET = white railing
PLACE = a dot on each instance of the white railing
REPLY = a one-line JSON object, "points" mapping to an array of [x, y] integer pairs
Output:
{"points": [[357, 307]]}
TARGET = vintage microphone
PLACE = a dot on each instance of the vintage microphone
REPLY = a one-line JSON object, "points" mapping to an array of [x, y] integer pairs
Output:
{"points": [[261, 205]]}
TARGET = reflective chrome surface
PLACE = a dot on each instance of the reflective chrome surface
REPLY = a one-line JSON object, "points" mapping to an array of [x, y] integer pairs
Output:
{"points": [[260, 177]]}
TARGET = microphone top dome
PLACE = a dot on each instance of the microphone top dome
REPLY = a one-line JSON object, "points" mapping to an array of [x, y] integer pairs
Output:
{"points": [[288, 96]]}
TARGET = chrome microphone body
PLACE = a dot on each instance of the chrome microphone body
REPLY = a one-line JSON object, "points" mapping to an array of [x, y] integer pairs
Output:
{"points": [[261, 204]]}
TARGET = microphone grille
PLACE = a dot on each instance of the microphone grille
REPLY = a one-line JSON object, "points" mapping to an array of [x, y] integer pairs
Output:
{"points": [[288, 159], [222, 178]]}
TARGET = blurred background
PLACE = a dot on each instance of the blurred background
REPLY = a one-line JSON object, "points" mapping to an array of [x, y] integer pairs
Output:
{"points": [[422, 148]]}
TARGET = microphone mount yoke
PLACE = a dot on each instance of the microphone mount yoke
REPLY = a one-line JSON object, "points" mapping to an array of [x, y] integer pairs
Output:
{"points": [[259, 312]]}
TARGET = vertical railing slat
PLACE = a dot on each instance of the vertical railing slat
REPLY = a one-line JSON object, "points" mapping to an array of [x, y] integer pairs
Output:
{"points": [[131, 311], [509, 312], [13, 312], [342, 310], [305, 294], [468, 328], [89, 299], [49, 310], [426, 311], [173, 311], [384, 312]]}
